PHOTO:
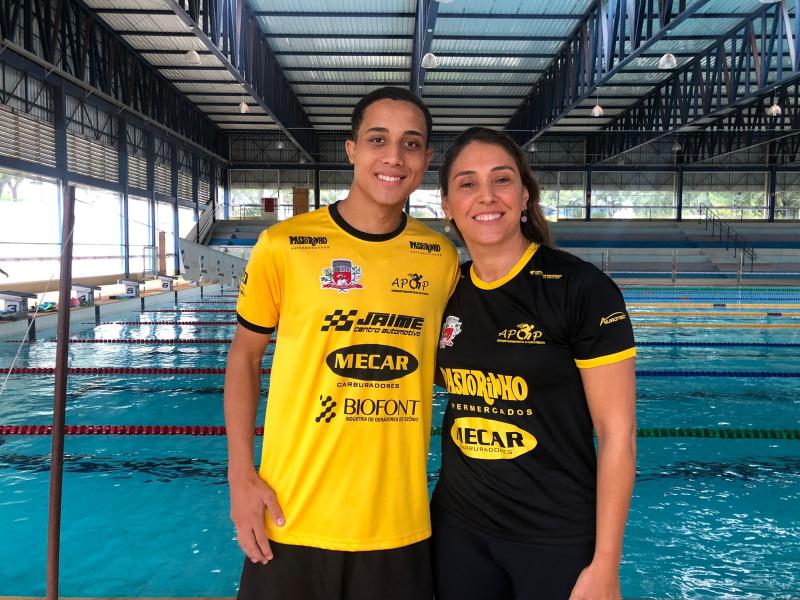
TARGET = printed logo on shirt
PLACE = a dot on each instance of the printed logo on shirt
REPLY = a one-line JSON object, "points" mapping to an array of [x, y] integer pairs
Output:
{"points": [[342, 275], [546, 275], [487, 439], [327, 413], [450, 329], [380, 410], [413, 283], [489, 386], [613, 318], [523, 333], [243, 284], [371, 362], [373, 322], [301, 242], [425, 248]]}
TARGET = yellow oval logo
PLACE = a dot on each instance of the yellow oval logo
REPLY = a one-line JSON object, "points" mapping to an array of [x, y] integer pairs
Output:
{"points": [[490, 440]]}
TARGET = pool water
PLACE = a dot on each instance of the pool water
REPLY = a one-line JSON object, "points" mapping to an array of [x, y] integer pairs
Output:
{"points": [[148, 515]]}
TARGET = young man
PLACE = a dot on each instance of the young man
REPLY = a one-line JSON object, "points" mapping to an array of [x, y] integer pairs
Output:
{"points": [[339, 507]]}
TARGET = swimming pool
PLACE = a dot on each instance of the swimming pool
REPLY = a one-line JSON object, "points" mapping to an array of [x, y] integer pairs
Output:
{"points": [[146, 515]]}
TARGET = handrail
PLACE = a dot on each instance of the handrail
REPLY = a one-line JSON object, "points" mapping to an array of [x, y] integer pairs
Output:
{"points": [[732, 238]]}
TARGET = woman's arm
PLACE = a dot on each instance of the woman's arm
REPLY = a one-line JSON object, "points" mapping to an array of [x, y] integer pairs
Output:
{"points": [[611, 395]]}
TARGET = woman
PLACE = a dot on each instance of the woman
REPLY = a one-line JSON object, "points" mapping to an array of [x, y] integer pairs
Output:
{"points": [[536, 350]]}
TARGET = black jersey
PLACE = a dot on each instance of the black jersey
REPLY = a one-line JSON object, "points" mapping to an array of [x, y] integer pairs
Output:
{"points": [[518, 457]]}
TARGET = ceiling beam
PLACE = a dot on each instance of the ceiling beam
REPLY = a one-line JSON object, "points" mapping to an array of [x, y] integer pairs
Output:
{"points": [[612, 34], [233, 35], [723, 88]]}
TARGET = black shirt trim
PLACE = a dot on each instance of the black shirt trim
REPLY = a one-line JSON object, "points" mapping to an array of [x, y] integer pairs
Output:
{"points": [[333, 209], [252, 326]]}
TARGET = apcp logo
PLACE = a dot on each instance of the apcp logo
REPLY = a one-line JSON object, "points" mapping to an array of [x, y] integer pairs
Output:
{"points": [[371, 362], [327, 413], [415, 283]]}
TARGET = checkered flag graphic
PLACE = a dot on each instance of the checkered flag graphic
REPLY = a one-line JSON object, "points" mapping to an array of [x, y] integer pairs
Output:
{"points": [[339, 321]]}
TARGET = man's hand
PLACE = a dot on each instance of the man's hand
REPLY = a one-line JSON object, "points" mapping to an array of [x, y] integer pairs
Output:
{"points": [[249, 496]]}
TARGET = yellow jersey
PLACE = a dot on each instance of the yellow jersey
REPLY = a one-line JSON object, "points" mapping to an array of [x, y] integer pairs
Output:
{"points": [[348, 414]]}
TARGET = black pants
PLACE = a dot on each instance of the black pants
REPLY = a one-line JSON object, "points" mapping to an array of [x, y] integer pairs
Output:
{"points": [[303, 573], [472, 566]]}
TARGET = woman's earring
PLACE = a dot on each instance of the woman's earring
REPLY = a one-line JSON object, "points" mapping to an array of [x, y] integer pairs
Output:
{"points": [[524, 218], [447, 228]]}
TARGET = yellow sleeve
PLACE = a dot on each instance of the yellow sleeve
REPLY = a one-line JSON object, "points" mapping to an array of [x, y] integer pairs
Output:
{"points": [[261, 288], [455, 273]]}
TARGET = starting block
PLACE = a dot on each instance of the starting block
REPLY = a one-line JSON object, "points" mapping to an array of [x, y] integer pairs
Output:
{"points": [[167, 282], [83, 295], [131, 287], [14, 305]]}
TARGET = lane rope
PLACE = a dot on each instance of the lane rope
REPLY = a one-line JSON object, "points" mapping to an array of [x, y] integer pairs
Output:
{"points": [[680, 313], [221, 371], [731, 306], [121, 371], [722, 344], [219, 430], [723, 325], [163, 323]]}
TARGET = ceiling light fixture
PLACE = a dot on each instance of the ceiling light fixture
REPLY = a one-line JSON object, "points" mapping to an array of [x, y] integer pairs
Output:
{"points": [[280, 145], [667, 61], [597, 111], [192, 58], [243, 107], [676, 146], [775, 110], [532, 148], [429, 61]]}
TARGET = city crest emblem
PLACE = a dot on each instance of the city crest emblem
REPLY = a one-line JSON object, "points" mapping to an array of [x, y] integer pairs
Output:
{"points": [[450, 329], [342, 275]]}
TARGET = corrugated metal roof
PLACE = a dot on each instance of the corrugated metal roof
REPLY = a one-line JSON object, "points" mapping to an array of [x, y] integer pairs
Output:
{"points": [[205, 88], [142, 22], [652, 78], [126, 4], [176, 60], [505, 47], [741, 7], [574, 7], [323, 76], [456, 111], [365, 60], [491, 92], [340, 44], [335, 5], [337, 110], [338, 26], [221, 75], [436, 76], [334, 89], [491, 62], [502, 27], [470, 102], [143, 42]]}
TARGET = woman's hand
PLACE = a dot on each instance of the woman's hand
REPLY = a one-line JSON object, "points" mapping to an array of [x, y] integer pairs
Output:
{"points": [[597, 582]]}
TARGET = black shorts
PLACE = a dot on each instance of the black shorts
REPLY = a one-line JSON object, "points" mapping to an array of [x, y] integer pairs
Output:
{"points": [[304, 573], [468, 565]]}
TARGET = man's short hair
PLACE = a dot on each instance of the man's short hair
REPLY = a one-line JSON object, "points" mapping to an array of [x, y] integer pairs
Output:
{"points": [[388, 93]]}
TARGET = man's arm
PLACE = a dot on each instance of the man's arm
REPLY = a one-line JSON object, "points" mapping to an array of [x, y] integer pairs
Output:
{"points": [[611, 395], [249, 494]]}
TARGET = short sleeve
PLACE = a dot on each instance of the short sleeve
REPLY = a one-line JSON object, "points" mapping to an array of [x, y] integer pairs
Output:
{"points": [[260, 291], [456, 274], [601, 331]]}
